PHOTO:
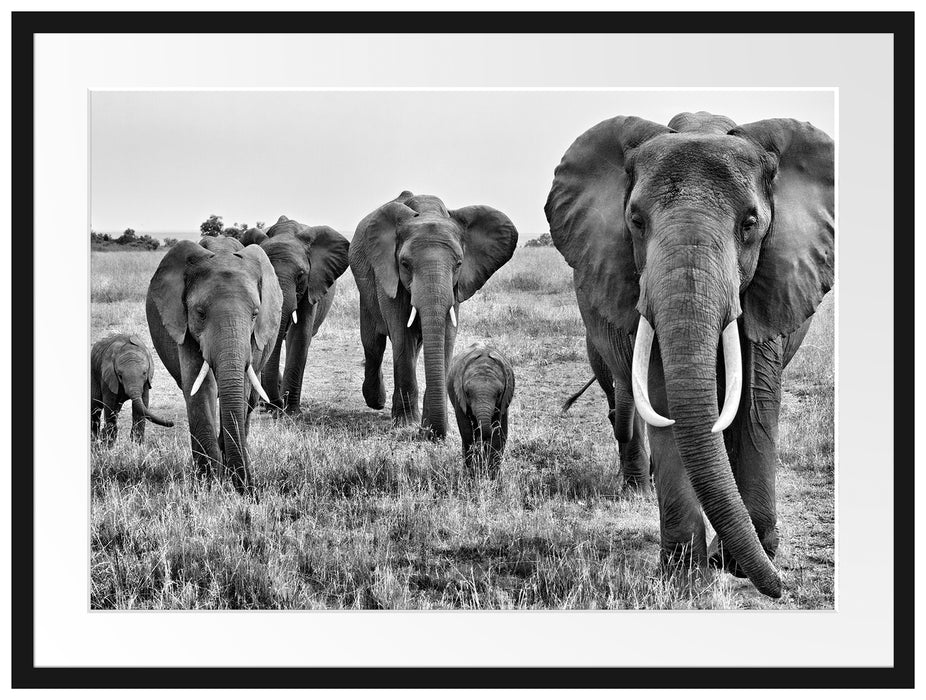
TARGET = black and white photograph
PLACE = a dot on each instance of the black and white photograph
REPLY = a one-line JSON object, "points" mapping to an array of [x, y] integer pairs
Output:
{"points": [[462, 349], [421, 349]]}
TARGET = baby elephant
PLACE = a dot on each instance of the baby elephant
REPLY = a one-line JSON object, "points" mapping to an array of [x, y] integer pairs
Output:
{"points": [[480, 384], [120, 371]]}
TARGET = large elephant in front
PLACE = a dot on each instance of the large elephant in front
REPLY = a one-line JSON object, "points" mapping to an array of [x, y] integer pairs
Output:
{"points": [[700, 251], [308, 260], [213, 318], [414, 262]]}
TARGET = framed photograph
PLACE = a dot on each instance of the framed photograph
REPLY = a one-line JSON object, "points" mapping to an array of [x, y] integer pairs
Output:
{"points": [[540, 355]]}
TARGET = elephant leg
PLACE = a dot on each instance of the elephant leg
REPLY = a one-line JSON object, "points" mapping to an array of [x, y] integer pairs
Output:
{"points": [[604, 377], [96, 410], [298, 341], [110, 417], [752, 445], [634, 460], [628, 430], [374, 345], [497, 446], [138, 419], [465, 426], [405, 350], [681, 523]]}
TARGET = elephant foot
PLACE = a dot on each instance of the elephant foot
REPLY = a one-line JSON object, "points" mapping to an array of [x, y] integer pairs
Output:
{"points": [[637, 485], [293, 411], [403, 419], [374, 393]]}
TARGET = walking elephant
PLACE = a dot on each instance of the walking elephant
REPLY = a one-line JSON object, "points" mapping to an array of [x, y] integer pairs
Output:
{"points": [[213, 318], [121, 370], [480, 384], [700, 251], [307, 261], [414, 261]]}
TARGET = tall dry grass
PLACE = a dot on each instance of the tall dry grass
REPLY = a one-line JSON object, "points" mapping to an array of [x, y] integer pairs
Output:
{"points": [[355, 514]]}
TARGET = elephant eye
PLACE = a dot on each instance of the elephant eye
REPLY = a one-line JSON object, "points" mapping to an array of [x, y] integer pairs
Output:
{"points": [[406, 264], [638, 222], [254, 313], [749, 223]]}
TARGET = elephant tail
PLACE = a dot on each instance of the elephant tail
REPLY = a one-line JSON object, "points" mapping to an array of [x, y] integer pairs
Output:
{"points": [[567, 404]]}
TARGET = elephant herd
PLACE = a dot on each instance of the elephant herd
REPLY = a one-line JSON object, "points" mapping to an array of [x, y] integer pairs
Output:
{"points": [[700, 251]]}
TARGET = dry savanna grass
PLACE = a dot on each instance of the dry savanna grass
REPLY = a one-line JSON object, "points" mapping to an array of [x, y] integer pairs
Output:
{"points": [[355, 514]]}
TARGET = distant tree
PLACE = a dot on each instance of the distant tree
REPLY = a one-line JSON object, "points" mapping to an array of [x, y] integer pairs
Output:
{"points": [[232, 232], [99, 237], [147, 242], [128, 237], [170, 242], [212, 226], [260, 224], [543, 240]]}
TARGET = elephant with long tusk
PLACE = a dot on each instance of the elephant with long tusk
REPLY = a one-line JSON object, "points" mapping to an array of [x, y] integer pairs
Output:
{"points": [[414, 262], [121, 370], [213, 317], [700, 251]]}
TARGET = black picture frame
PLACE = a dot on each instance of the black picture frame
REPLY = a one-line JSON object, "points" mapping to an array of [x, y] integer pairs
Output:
{"points": [[25, 674]]}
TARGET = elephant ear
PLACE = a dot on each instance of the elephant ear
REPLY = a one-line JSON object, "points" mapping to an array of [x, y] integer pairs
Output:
{"points": [[585, 210], [168, 286], [489, 240], [253, 236], [796, 262], [508, 393], [267, 324], [455, 377], [379, 240], [327, 250], [108, 364]]}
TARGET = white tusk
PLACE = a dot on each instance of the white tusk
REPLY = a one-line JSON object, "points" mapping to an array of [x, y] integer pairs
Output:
{"points": [[640, 376], [411, 317], [453, 317], [295, 320], [204, 370], [733, 370], [256, 382]]}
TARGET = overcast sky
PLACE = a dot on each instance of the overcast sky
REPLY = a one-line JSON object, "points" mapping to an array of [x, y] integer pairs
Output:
{"points": [[164, 161]]}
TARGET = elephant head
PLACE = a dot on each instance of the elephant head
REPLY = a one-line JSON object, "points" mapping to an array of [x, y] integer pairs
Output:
{"points": [[221, 311], [428, 259], [221, 244], [686, 233]]}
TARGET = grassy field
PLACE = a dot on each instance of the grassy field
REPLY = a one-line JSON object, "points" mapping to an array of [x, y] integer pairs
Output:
{"points": [[356, 514]]}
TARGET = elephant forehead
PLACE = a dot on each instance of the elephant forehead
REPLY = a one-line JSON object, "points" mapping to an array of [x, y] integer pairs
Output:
{"points": [[483, 371], [430, 229], [226, 274], [681, 165], [427, 203]]}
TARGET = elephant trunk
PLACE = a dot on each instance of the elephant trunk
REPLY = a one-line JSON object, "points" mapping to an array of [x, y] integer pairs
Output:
{"points": [[433, 328], [139, 407], [693, 303], [432, 296], [484, 413], [233, 390]]}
